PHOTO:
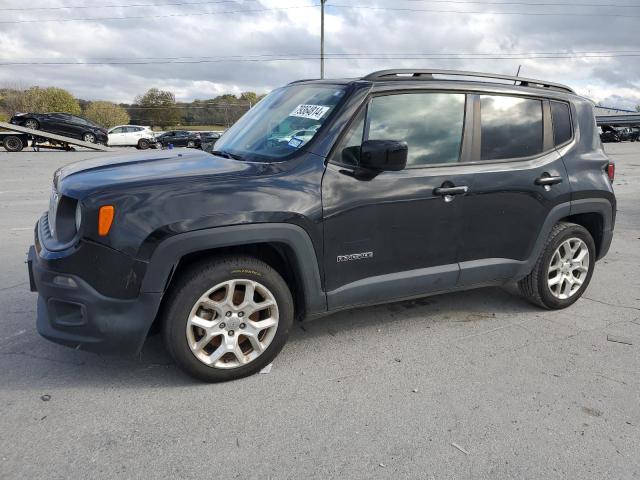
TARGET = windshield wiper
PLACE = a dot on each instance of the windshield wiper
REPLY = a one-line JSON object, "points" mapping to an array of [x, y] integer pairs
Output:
{"points": [[225, 154]]}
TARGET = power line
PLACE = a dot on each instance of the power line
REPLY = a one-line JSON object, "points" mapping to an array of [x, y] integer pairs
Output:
{"points": [[550, 14], [534, 4], [352, 57], [130, 5], [355, 7], [313, 55], [214, 2], [146, 17]]}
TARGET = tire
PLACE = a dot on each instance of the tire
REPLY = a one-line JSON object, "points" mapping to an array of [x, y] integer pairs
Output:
{"points": [[89, 137], [143, 144], [536, 287], [13, 143], [207, 285], [32, 123], [191, 144]]}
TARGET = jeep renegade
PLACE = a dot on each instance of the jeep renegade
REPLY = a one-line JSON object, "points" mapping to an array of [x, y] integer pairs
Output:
{"points": [[327, 195]]}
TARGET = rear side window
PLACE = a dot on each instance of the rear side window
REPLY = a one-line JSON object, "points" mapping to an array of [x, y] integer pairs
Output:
{"points": [[430, 123], [510, 127], [562, 129]]}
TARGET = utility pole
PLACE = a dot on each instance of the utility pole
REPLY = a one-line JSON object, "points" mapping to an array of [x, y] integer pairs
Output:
{"points": [[322, 38]]}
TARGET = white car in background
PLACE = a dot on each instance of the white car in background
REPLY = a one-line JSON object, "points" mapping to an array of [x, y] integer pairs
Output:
{"points": [[132, 136]]}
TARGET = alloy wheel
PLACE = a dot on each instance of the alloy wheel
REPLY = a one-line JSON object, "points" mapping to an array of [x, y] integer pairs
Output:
{"points": [[568, 268], [89, 137], [232, 324]]}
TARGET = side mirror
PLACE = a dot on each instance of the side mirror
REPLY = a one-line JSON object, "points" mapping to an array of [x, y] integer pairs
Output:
{"points": [[384, 155]]}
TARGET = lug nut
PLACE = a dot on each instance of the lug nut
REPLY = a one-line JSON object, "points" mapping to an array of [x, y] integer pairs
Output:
{"points": [[242, 325], [222, 325], [241, 314], [231, 332], [228, 314]]}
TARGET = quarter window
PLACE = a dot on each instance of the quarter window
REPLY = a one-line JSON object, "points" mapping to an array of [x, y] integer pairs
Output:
{"points": [[430, 123], [510, 127], [348, 153], [562, 129]]}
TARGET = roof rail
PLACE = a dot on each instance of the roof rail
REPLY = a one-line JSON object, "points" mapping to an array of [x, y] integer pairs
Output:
{"points": [[411, 74]]}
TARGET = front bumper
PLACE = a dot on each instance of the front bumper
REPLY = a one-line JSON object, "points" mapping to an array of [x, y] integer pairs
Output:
{"points": [[73, 313]]}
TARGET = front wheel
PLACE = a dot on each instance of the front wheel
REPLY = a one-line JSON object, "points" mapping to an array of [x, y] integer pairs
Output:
{"points": [[13, 143], [227, 318], [191, 144], [563, 270], [143, 144], [89, 137], [32, 123]]}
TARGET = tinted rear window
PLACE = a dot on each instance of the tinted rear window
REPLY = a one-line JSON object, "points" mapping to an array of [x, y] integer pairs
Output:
{"points": [[511, 127], [562, 129]]}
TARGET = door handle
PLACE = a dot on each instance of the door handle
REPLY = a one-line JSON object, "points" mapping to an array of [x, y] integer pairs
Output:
{"points": [[450, 190], [547, 180]]}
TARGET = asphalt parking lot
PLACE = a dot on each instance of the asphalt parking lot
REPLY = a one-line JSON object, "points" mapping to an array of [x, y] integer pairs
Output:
{"points": [[471, 385]]}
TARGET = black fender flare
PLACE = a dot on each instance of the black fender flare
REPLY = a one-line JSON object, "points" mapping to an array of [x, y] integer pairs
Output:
{"points": [[168, 253], [601, 206]]}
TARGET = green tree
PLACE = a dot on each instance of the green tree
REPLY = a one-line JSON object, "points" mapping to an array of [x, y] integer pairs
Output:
{"points": [[50, 99], [107, 114], [158, 107]]}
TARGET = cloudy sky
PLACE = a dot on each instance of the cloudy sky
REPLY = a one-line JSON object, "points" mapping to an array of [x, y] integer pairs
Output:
{"points": [[200, 48]]}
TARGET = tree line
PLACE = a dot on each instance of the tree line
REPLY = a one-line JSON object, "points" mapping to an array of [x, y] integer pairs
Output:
{"points": [[156, 108]]}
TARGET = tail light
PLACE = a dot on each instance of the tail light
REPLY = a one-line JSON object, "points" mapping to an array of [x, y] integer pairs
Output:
{"points": [[611, 170]]}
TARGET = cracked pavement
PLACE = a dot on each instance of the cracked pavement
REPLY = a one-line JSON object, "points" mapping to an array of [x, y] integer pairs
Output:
{"points": [[380, 392]]}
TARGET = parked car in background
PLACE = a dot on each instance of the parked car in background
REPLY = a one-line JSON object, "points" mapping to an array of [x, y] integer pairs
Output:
{"points": [[629, 134], [132, 136], [63, 124], [179, 138], [609, 135]]}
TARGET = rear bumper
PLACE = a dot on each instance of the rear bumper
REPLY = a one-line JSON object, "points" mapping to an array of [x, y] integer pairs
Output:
{"points": [[71, 312]]}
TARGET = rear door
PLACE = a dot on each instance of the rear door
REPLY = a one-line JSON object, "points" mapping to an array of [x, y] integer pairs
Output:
{"points": [[391, 235], [514, 177]]}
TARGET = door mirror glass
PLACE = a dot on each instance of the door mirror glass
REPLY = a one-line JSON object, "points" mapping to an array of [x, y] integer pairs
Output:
{"points": [[384, 155]]}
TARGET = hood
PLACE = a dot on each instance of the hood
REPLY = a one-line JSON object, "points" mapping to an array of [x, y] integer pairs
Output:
{"points": [[141, 169]]}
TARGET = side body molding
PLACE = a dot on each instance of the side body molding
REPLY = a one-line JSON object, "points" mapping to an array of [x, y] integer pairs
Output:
{"points": [[167, 255]]}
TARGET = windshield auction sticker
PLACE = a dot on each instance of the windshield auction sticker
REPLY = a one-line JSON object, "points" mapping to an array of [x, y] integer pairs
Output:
{"points": [[314, 112]]}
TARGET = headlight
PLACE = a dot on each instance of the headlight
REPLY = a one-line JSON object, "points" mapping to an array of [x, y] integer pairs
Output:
{"points": [[78, 216]]}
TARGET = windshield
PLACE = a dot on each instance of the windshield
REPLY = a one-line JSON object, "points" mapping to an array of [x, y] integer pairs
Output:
{"points": [[281, 123]]}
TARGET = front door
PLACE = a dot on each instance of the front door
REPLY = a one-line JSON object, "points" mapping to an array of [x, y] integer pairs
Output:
{"points": [[393, 235]]}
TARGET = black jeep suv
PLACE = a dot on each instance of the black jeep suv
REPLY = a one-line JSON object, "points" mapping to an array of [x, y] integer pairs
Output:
{"points": [[411, 183]]}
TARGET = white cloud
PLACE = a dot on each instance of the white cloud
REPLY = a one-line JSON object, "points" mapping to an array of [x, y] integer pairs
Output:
{"points": [[296, 31]]}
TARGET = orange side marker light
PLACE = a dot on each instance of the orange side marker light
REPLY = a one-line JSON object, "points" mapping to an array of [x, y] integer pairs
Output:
{"points": [[105, 219]]}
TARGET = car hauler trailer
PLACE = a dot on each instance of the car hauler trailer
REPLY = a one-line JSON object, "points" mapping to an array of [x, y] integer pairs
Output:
{"points": [[17, 137]]}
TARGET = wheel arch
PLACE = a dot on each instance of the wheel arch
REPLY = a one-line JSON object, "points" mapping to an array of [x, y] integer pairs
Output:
{"points": [[285, 247]]}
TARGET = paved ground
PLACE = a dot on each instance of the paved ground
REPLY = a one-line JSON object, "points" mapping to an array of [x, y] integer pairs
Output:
{"points": [[380, 392]]}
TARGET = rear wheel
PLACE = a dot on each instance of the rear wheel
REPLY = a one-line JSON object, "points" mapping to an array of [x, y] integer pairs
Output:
{"points": [[89, 137], [13, 143], [227, 318], [563, 270], [32, 123]]}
